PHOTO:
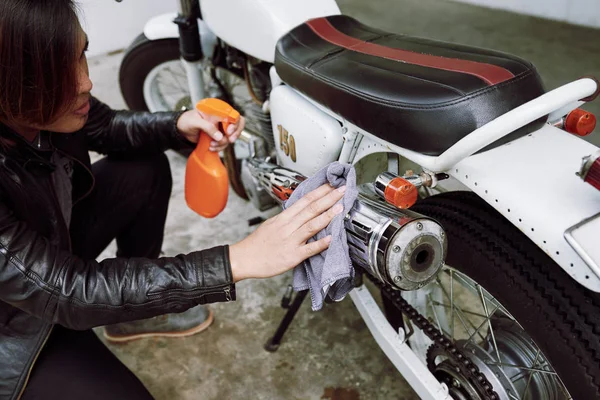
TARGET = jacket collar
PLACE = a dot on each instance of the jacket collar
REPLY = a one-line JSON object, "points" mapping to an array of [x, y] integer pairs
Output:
{"points": [[25, 152]]}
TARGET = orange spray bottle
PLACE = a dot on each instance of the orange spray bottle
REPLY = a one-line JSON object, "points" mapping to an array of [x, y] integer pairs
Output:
{"points": [[206, 180]]}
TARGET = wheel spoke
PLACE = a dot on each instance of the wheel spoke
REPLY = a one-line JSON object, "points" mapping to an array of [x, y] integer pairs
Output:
{"points": [[563, 389], [171, 82], [459, 312], [166, 88], [452, 302], [470, 339], [485, 309], [437, 320], [179, 72], [168, 84], [537, 370], [437, 303], [181, 86], [531, 373], [473, 288]]}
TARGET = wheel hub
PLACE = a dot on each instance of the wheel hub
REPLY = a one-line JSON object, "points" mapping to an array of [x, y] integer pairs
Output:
{"points": [[517, 350], [183, 103], [459, 387]]}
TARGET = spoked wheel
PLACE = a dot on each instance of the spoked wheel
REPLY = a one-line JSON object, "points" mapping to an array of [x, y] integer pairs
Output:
{"points": [[166, 88], [152, 77], [489, 335], [520, 320]]}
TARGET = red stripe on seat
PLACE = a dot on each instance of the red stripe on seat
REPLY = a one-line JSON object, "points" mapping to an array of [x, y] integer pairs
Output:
{"points": [[491, 74]]}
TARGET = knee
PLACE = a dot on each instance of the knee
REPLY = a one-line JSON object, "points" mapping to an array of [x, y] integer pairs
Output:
{"points": [[152, 174], [161, 170]]}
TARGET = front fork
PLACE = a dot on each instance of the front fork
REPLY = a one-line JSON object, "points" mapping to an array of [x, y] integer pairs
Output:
{"points": [[190, 47]]}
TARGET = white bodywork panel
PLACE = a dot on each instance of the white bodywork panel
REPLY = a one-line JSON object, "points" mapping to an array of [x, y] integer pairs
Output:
{"points": [[255, 26], [162, 27], [317, 136]]}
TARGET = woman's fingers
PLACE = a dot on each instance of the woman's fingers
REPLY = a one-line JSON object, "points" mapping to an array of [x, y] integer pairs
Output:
{"points": [[220, 145], [316, 247], [208, 125], [217, 147], [317, 224], [234, 131], [290, 213], [235, 136], [316, 208]]}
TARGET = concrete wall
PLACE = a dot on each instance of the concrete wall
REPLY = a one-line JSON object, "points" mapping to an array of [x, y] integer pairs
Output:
{"points": [[112, 26], [580, 12]]}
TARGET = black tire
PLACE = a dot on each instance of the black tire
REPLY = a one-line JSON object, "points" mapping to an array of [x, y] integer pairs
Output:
{"points": [[561, 316], [140, 58]]}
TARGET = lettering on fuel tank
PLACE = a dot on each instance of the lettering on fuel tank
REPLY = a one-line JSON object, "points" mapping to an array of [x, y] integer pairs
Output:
{"points": [[287, 143]]}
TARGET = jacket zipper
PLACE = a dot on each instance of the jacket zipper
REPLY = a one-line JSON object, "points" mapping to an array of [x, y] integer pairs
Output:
{"points": [[37, 355], [227, 291], [33, 363], [224, 289]]}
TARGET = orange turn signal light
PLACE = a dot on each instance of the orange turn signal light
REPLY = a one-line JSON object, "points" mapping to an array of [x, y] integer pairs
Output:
{"points": [[401, 193], [580, 122]]}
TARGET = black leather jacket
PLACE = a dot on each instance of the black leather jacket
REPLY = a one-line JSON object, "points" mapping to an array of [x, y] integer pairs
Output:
{"points": [[42, 283]]}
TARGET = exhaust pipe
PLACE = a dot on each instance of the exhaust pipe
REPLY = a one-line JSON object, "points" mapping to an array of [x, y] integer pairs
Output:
{"points": [[399, 247]]}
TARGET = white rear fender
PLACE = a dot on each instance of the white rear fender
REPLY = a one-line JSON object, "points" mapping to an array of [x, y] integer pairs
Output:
{"points": [[532, 182]]}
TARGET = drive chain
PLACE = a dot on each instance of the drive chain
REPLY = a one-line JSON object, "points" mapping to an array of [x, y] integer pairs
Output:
{"points": [[467, 368]]}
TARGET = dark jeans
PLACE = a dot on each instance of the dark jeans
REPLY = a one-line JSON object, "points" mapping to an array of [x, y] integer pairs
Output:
{"points": [[129, 203]]}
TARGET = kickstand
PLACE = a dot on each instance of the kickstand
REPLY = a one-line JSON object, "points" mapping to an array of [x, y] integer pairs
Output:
{"points": [[273, 344]]}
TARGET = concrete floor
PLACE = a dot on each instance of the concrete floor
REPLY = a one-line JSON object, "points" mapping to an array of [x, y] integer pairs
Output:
{"points": [[329, 354]]}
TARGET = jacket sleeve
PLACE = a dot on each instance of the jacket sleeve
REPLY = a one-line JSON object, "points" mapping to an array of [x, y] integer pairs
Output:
{"points": [[131, 132], [61, 288]]}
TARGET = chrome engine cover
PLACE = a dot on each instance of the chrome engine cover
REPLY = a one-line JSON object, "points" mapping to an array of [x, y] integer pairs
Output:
{"points": [[398, 247]]}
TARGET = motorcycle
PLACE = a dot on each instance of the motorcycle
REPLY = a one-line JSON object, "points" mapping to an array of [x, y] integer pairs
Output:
{"points": [[478, 201]]}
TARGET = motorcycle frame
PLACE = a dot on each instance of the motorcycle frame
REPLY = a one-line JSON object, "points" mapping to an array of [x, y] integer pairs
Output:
{"points": [[541, 197], [190, 46]]}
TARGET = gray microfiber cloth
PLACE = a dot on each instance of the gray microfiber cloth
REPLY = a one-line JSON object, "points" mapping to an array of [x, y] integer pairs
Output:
{"points": [[329, 274]]}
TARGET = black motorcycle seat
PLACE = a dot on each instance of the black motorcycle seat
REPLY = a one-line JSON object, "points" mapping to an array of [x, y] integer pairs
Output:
{"points": [[419, 94]]}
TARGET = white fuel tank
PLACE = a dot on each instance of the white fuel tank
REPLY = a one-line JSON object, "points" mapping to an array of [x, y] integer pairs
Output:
{"points": [[306, 138], [255, 26]]}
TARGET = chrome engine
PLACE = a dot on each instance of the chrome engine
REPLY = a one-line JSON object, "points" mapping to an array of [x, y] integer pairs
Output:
{"points": [[401, 248]]}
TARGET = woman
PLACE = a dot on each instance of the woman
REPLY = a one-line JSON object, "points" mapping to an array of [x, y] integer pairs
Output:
{"points": [[58, 212]]}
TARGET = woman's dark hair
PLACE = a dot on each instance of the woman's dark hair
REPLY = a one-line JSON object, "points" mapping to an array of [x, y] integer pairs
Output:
{"points": [[38, 55]]}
